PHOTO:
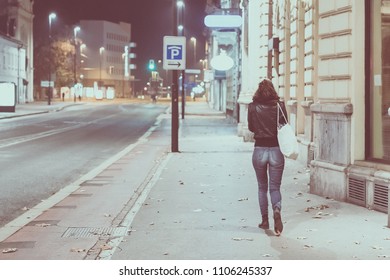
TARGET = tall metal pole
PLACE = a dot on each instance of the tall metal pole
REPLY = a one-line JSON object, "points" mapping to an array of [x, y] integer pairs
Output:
{"points": [[175, 95], [51, 16], [183, 93], [75, 30], [193, 39], [101, 50], [49, 95], [183, 76]]}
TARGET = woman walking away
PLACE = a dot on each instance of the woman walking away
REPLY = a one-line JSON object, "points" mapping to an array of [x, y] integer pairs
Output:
{"points": [[267, 159]]}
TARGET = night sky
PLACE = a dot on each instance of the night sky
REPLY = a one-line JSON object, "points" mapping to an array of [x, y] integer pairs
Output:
{"points": [[151, 20]]}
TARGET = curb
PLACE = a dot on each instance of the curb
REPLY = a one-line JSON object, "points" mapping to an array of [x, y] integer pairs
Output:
{"points": [[40, 112]]}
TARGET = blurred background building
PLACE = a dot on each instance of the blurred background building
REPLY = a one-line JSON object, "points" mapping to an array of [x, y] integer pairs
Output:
{"points": [[16, 47], [105, 55]]}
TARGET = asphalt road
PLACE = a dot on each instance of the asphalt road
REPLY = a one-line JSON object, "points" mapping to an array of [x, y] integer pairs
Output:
{"points": [[41, 154]]}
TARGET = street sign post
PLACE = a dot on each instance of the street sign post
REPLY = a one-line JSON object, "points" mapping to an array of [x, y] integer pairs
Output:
{"points": [[174, 56]]}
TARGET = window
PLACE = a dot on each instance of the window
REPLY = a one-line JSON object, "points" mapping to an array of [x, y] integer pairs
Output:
{"points": [[378, 124]]}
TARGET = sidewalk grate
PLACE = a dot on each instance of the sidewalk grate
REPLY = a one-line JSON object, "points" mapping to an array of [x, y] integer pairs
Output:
{"points": [[89, 232]]}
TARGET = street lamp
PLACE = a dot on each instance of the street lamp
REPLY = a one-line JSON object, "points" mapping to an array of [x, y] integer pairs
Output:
{"points": [[101, 50], [193, 40], [180, 28], [51, 17], [180, 7], [180, 16], [203, 63], [75, 30]]}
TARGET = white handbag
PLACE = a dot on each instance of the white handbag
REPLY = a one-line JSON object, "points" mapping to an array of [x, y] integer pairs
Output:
{"points": [[288, 142]]}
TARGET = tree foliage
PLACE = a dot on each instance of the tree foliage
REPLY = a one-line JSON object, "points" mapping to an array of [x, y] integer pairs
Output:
{"points": [[58, 53]]}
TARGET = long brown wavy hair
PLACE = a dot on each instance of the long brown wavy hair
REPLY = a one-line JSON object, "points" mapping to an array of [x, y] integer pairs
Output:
{"points": [[265, 93]]}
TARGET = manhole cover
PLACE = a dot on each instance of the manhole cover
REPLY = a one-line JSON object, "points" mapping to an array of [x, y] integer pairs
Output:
{"points": [[88, 232]]}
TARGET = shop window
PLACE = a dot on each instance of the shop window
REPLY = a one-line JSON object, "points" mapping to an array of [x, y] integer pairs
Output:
{"points": [[379, 81]]}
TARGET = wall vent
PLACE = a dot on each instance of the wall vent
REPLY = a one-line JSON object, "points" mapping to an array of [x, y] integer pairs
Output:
{"points": [[357, 190], [381, 192]]}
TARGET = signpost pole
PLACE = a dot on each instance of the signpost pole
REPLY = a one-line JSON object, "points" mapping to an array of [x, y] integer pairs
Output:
{"points": [[183, 93], [175, 95]]}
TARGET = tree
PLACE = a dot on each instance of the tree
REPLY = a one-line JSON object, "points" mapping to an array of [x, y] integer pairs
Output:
{"points": [[63, 53], [59, 55]]}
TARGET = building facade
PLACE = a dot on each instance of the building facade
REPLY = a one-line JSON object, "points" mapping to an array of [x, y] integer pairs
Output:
{"points": [[329, 63], [224, 84], [16, 24], [105, 55]]}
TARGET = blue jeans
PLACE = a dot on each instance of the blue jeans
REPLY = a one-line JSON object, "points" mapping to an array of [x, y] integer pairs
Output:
{"points": [[268, 163]]}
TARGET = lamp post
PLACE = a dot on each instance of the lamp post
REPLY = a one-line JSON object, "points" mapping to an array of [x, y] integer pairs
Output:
{"points": [[203, 63], [101, 50], [175, 94], [193, 40], [51, 17], [181, 6], [75, 30]]}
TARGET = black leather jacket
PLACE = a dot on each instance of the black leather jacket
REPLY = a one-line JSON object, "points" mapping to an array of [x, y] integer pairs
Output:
{"points": [[262, 122]]}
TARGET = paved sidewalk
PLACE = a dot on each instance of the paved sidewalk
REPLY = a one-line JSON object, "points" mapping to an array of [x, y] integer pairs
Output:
{"points": [[204, 206], [201, 203]]}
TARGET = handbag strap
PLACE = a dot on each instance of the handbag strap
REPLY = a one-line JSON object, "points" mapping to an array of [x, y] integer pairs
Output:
{"points": [[280, 108]]}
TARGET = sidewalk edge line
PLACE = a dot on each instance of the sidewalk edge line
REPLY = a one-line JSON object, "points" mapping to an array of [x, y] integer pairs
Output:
{"points": [[128, 220]]}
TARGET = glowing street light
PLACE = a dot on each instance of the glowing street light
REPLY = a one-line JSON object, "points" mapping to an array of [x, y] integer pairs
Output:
{"points": [[75, 30], [180, 28], [193, 40], [51, 17], [101, 50], [203, 62]]}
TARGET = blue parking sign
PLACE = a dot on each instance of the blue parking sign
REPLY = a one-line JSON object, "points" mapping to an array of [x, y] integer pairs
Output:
{"points": [[174, 52]]}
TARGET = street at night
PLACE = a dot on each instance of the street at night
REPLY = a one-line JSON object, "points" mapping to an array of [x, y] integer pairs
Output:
{"points": [[187, 139], [42, 154]]}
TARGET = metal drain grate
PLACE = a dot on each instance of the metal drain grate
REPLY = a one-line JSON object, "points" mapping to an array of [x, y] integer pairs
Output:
{"points": [[381, 192], [357, 190], [89, 232]]}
